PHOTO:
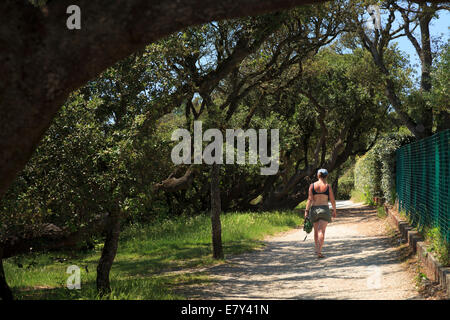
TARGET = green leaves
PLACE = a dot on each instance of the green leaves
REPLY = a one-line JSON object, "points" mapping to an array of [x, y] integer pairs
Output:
{"points": [[375, 171]]}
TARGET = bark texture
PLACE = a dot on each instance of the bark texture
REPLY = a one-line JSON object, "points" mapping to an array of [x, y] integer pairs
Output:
{"points": [[215, 213], [108, 254]]}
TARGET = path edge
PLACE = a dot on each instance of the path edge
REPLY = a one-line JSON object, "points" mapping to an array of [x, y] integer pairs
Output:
{"points": [[437, 272]]}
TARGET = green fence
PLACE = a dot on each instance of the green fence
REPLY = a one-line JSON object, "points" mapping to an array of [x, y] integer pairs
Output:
{"points": [[422, 181]]}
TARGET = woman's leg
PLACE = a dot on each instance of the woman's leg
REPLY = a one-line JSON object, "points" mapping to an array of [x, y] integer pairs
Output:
{"points": [[322, 225], [316, 237]]}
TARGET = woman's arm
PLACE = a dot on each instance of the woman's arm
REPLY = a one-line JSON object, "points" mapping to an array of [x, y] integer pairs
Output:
{"points": [[310, 201], [333, 201]]}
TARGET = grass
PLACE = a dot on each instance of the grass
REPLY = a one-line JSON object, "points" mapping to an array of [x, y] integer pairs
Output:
{"points": [[357, 196], [366, 198], [145, 254], [403, 215], [302, 205], [381, 212], [434, 240], [420, 277], [437, 245]]}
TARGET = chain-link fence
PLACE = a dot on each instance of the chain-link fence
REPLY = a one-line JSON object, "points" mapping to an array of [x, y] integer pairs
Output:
{"points": [[422, 181]]}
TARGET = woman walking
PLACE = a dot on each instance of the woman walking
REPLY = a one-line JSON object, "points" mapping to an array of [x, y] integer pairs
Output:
{"points": [[318, 196]]}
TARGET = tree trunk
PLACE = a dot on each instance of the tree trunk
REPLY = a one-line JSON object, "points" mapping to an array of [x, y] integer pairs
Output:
{"points": [[109, 251], [426, 59], [215, 213], [335, 184], [5, 290], [417, 129], [443, 121]]}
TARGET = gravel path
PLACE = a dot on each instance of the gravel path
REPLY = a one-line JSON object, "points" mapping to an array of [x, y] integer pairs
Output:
{"points": [[360, 263]]}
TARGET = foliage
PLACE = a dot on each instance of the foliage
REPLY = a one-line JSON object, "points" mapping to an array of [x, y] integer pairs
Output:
{"points": [[414, 19], [385, 156], [111, 142], [335, 95], [99, 156], [375, 171], [381, 212], [438, 245], [357, 196], [439, 97], [61, 183], [346, 185], [367, 177]]}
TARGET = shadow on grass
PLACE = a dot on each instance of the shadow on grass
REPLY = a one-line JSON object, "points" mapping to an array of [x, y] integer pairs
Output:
{"points": [[157, 287], [176, 256], [179, 256]]}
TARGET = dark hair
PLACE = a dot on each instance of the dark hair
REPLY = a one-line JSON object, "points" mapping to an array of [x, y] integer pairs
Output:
{"points": [[321, 175]]}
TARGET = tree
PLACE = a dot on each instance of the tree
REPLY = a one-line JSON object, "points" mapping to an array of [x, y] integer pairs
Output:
{"points": [[439, 96], [45, 61], [243, 56], [332, 110], [265, 85], [416, 114], [231, 42], [88, 169], [420, 15]]}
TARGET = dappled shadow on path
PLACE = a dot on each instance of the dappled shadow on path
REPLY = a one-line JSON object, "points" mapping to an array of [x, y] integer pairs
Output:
{"points": [[287, 267]]}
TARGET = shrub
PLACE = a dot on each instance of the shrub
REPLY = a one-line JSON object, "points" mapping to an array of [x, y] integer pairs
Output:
{"points": [[375, 171], [384, 151], [357, 196], [346, 185], [367, 177], [438, 245]]}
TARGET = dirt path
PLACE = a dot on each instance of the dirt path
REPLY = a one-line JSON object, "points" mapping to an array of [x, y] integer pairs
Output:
{"points": [[360, 264]]}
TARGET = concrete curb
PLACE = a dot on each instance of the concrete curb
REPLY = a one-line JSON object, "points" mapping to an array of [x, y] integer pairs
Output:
{"points": [[435, 271]]}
